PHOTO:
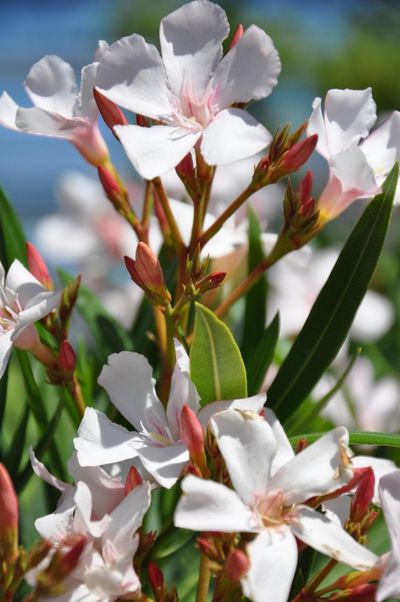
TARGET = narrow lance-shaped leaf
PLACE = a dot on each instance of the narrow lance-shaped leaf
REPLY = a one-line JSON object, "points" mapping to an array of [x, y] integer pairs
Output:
{"points": [[216, 366], [12, 237], [333, 312], [256, 298], [262, 356], [355, 438]]}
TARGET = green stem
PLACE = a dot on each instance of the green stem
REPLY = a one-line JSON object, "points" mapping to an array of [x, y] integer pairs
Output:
{"points": [[307, 592], [204, 580], [169, 216], [229, 211]]}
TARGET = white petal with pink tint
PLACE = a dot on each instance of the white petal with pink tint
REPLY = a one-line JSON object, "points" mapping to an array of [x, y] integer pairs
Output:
{"points": [[243, 440], [191, 44], [234, 134], [249, 71], [8, 111], [209, 506], [155, 150], [273, 561], [389, 491]]}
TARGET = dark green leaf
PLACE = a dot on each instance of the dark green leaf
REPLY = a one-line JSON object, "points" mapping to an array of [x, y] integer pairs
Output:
{"points": [[332, 314], [256, 298], [356, 438], [216, 366], [16, 448], [260, 360], [12, 237]]}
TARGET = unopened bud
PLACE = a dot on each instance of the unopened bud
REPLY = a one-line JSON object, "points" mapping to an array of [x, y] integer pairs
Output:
{"points": [[239, 31], [185, 170], [133, 480], [301, 445], [110, 184], [295, 157], [361, 593], [237, 564], [67, 357], [110, 112], [193, 436], [305, 188], [37, 266], [8, 517], [363, 496], [156, 578], [146, 271], [211, 281]]}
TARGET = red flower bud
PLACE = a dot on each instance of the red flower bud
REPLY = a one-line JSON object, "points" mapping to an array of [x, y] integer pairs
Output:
{"points": [[133, 480], [237, 564], [37, 266], [192, 433], [142, 121], [131, 267], [110, 184], [363, 496], [239, 31], [156, 577], [211, 281], [8, 516], [295, 157], [305, 188], [67, 357], [111, 114], [185, 169]]}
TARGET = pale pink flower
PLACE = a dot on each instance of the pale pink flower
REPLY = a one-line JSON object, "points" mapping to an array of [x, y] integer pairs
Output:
{"points": [[23, 301], [358, 164], [191, 90], [158, 442], [60, 110], [269, 499], [389, 491]]}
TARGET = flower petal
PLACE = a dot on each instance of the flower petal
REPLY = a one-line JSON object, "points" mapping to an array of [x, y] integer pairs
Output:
{"points": [[83, 522], [250, 404], [331, 539], [380, 466], [86, 105], [128, 517], [243, 438], [5, 351], [101, 441], [44, 123], [354, 172], [191, 44], [316, 125], [183, 392], [128, 380], [273, 560], [155, 150], [8, 111], [51, 85], [389, 585], [321, 468], [131, 74], [21, 281], [164, 463], [285, 451], [349, 115], [210, 506], [41, 471], [234, 134], [249, 71], [39, 307]]}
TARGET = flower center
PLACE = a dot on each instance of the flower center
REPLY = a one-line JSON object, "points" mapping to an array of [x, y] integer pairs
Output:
{"points": [[270, 509]]}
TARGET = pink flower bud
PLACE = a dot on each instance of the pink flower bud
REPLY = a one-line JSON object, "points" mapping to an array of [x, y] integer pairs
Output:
{"points": [[361, 593], [131, 267], [142, 121], [37, 266], [8, 515], [111, 114], [110, 184], [305, 188], [148, 267], [295, 157], [192, 435], [185, 169], [363, 496], [239, 31], [156, 577], [67, 357], [237, 564], [133, 480], [211, 281]]}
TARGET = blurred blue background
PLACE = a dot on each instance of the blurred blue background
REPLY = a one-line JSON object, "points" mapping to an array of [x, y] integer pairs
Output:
{"points": [[350, 43]]}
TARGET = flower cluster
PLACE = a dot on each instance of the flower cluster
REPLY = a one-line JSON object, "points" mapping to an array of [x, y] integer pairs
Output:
{"points": [[260, 495]]}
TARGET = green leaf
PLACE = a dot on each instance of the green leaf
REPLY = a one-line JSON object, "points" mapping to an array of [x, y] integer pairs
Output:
{"points": [[16, 448], [110, 336], [12, 237], [262, 356], [256, 298], [332, 314], [216, 366], [356, 438]]}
